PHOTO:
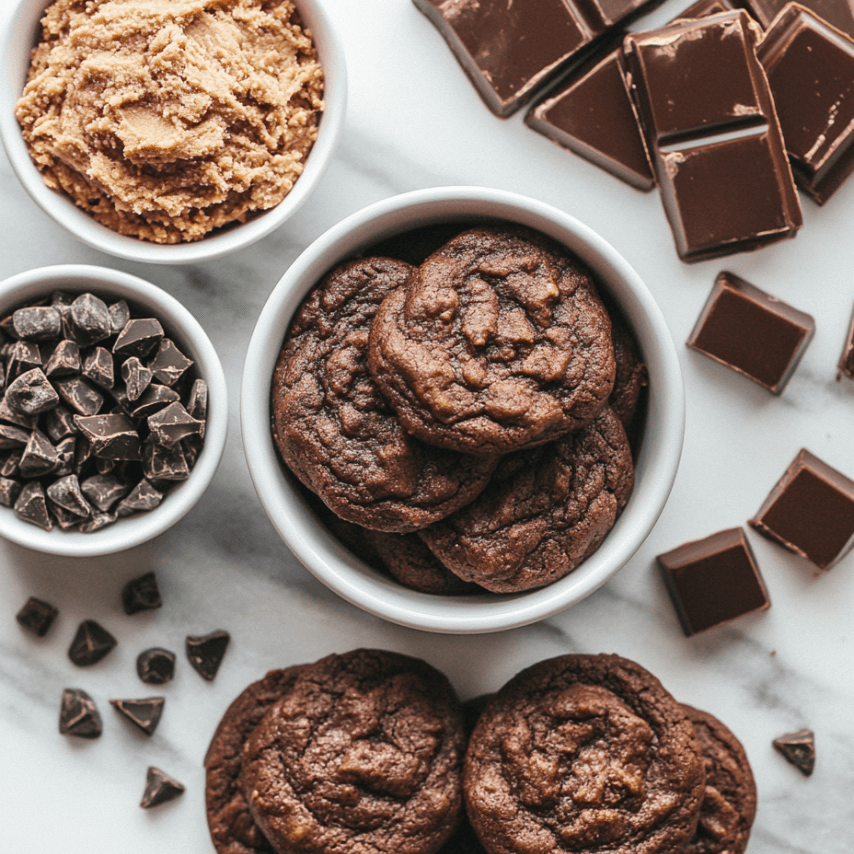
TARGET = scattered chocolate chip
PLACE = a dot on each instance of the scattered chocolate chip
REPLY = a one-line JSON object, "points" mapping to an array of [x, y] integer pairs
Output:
{"points": [[141, 594], [139, 337], [153, 399], [111, 436], [143, 713], [206, 652], [67, 494], [136, 376], [31, 393], [91, 643], [173, 423], [155, 666], [98, 366], [141, 498], [90, 320], [119, 316], [37, 616], [80, 396], [197, 403], [31, 505], [162, 463], [104, 490], [39, 323], [78, 714], [64, 361], [159, 788], [798, 748], [65, 455], [23, 357], [39, 457], [169, 363], [9, 491]]}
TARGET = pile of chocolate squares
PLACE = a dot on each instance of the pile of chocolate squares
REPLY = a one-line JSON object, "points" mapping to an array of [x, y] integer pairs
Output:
{"points": [[724, 109]]}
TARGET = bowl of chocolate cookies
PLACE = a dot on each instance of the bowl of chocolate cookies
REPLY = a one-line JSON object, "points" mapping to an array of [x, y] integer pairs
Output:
{"points": [[462, 409], [113, 412]]}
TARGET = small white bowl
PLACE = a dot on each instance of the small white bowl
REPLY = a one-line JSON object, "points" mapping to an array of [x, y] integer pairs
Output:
{"points": [[23, 32], [188, 334], [332, 563]]}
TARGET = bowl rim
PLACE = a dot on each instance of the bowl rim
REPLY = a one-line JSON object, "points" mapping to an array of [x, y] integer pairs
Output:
{"points": [[351, 578], [25, 16], [131, 531]]}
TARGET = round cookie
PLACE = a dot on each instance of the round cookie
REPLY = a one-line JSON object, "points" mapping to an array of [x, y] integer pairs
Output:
{"points": [[232, 828], [729, 803], [584, 754], [499, 342], [362, 756], [544, 511], [334, 429]]}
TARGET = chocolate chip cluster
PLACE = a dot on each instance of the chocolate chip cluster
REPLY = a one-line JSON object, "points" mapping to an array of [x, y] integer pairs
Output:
{"points": [[101, 412]]}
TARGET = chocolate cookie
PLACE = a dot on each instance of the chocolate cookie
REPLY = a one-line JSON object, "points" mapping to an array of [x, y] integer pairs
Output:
{"points": [[729, 803], [583, 754], [499, 342], [544, 511], [362, 756], [334, 428], [232, 828], [631, 374]]}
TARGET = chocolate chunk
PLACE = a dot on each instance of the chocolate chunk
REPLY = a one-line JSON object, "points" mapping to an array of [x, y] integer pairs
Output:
{"points": [[23, 357], [67, 494], [37, 616], [18, 419], [810, 511], [80, 396], [39, 323], [155, 666], [39, 457], [192, 447], [9, 491], [59, 424], [31, 505], [138, 337], [31, 393], [119, 316], [197, 402], [78, 714], [145, 713], [837, 13], [798, 748], [136, 377], [173, 423], [752, 332], [810, 69], [12, 437], [713, 580], [90, 320], [141, 594], [113, 437], [96, 522], [143, 497], [153, 399], [91, 643], [162, 463], [98, 367], [104, 490], [65, 449], [66, 520], [64, 361], [205, 652], [714, 139], [159, 788], [169, 363], [11, 464]]}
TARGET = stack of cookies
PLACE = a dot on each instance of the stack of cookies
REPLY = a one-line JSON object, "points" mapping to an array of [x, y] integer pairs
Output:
{"points": [[462, 415], [371, 752]]}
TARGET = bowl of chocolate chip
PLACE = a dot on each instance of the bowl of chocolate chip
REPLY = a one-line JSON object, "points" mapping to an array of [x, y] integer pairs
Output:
{"points": [[170, 132], [113, 412], [462, 409]]}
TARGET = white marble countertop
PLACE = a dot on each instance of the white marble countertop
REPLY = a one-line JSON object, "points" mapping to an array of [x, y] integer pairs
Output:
{"points": [[414, 121]]}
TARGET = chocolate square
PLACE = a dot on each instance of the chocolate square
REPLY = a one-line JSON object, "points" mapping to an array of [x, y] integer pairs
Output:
{"points": [[810, 511], [713, 580], [752, 332]]}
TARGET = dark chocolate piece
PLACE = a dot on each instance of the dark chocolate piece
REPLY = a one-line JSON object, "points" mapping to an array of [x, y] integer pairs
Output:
{"points": [[713, 136], [31, 393], [37, 323], [136, 376], [80, 396], [143, 497], [39, 456], [798, 748], [169, 364], [67, 494], [155, 666], [141, 594], [78, 714], [10, 466], [162, 463], [9, 491], [89, 320], [153, 399], [31, 505], [138, 337], [113, 437], [65, 449], [119, 316], [173, 423], [91, 643], [159, 788], [97, 521], [23, 357], [197, 403], [104, 490], [17, 419], [752, 332], [59, 424], [12, 437], [37, 616], [144, 714], [64, 518], [98, 367], [206, 652], [713, 580], [837, 13], [810, 511], [810, 68]]}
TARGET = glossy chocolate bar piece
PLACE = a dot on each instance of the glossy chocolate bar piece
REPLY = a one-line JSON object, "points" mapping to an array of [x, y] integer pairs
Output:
{"points": [[810, 511], [810, 68], [752, 332], [510, 50], [713, 580], [712, 134], [837, 13]]}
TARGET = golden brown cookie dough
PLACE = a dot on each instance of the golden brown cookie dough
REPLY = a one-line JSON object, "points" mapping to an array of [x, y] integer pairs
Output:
{"points": [[166, 119]]}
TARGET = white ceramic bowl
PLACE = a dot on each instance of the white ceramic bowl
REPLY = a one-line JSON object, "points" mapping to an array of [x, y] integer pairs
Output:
{"points": [[23, 31], [186, 331], [331, 562]]}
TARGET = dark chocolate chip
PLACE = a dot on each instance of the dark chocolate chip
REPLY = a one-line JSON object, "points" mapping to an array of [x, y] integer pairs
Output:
{"points": [[197, 403], [39, 457], [155, 666], [65, 455], [141, 594], [90, 320], [798, 748], [144, 496], [38, 323], [11, 465], [13, 437], [96, 522], [113, 437], [139, 337], [206, 652], [23, 357], [159, 788], [91, 643], [64, 361], [31, 505], [31, 393], [78, 714], [143, 713], [136, 377], [119, 316], [67, 494], [98, 366], [63, 517], [169, 363], [18, 419], [80, 396], [173, 423], [153, 399], [37, 616], [9, 491], [104, 490], [59, 424], [162, 463]]}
